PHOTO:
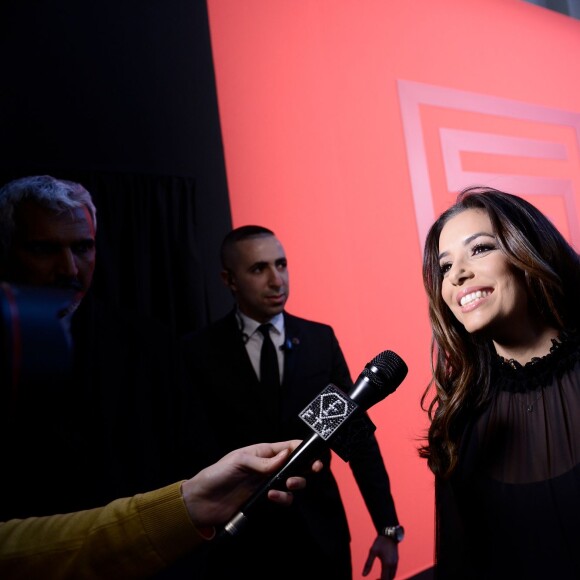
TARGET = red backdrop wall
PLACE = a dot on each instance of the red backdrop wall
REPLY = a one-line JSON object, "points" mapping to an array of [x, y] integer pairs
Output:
{"points": [[347, 126]]}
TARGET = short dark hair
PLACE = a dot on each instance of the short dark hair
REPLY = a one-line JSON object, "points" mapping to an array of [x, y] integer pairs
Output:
{"points": [[238, 234]]}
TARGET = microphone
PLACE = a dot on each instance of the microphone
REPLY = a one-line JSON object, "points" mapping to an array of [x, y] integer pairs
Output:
{"points": [[331, 409]]}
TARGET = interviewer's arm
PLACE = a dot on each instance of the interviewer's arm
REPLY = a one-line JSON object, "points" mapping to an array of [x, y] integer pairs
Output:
{"points": [[135, 537], [128, 538]]}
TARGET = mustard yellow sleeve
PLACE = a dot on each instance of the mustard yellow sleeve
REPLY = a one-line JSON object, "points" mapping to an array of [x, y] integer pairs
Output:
{"points": [[128, 538]]}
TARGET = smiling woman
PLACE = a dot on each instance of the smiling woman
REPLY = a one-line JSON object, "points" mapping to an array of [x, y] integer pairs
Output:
{"points": [[504, 438]]}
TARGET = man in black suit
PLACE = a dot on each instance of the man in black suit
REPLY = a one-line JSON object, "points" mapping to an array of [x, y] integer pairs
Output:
{"points": [[311, 540]]}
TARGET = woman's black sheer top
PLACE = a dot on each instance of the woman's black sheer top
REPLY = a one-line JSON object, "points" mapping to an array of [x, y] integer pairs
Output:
{"points": [[512, 508]]}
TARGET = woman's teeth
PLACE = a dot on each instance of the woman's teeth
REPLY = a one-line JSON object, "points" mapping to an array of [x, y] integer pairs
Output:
{"points": [[474, 296]]}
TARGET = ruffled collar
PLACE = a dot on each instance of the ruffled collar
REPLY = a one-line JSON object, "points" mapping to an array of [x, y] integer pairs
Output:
{"points": [[510, 375]]}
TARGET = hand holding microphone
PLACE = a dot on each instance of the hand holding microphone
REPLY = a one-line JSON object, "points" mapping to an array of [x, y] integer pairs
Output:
{"points": [[326, 414]]}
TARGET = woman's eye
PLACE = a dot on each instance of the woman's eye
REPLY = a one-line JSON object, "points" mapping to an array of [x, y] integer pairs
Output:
{"points": [[444, 268], [480, 248]]}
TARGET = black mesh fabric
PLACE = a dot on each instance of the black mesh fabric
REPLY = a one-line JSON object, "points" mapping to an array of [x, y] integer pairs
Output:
{"points": [[512, 509]]}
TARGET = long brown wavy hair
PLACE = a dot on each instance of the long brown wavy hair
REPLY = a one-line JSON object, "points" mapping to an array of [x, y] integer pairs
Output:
{"points": [[461, 362]]}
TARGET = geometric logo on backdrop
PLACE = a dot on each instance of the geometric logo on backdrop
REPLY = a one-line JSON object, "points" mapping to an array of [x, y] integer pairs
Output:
{"points": [[456, 139]]}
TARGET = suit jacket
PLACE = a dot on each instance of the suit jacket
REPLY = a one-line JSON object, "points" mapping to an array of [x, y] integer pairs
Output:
{"points": [[223, 376]]}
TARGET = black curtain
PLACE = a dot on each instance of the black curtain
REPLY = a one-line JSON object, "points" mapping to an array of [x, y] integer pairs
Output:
{"points": [[149, 257]]}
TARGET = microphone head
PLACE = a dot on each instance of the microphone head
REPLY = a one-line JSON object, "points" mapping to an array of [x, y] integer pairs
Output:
{"points": [[387, 371], [379, 378]]}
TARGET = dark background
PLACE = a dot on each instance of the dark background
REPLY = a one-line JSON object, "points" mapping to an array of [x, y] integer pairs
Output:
{"points": [[120, 96]]}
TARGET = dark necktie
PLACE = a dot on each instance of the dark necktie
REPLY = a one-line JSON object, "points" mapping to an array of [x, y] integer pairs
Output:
{"points": [[269, 372]]}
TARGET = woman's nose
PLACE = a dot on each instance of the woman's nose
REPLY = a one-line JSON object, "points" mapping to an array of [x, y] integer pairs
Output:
{"points": [[459, 273]]}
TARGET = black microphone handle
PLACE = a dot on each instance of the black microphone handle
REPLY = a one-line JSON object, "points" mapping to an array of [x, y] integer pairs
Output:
{"points": [[299, 460]]}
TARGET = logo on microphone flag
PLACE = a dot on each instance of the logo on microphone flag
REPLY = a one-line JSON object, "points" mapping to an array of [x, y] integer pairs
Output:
{"points": [[328, 411]]}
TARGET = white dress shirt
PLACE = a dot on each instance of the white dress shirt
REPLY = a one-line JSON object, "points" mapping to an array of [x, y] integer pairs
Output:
{"points": [[249, 328]]}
